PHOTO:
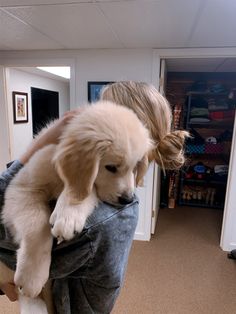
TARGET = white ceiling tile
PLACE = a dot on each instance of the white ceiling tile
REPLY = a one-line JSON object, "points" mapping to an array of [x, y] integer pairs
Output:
{"points": [[4, 47], [216, 25], [18, 35], [17, 3], [159, 24], [74, 26]]}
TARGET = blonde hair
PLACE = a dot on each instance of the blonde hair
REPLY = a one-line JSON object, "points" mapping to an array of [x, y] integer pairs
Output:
{"points": [[154, 111]]}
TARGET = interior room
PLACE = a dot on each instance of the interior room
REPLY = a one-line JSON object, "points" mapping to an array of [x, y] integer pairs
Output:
{"points": [[186, 49], [188, 83], [39, 87]]}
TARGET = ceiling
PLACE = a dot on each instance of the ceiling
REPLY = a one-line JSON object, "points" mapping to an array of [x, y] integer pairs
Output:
{"points": [[80, 24], [94, 24]]}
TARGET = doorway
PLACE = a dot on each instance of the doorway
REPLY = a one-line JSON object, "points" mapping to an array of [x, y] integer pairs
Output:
{"points": [[45, 108], [209, 85], [51, 97]]}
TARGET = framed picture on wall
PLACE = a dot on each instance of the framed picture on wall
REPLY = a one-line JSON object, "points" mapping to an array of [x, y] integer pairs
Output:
{"points": [[94, 89], [20, 107]]}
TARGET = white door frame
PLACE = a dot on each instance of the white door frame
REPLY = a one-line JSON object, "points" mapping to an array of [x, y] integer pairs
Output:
{"points": [[228, 232], [156, 169], [4, 134]]}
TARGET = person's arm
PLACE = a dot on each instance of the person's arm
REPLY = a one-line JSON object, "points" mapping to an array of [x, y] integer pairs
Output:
{"points": [[9, 290]]}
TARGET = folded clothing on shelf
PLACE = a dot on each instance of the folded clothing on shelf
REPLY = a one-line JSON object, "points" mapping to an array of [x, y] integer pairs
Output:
{"points": [[198, 171], [217, 89], [220, 173], [199, 112], [222, 114], [217, 104], [221, 169], [199, 120]]}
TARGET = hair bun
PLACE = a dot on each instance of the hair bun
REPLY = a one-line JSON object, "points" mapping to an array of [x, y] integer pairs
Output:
{"points": [[170, 150]]}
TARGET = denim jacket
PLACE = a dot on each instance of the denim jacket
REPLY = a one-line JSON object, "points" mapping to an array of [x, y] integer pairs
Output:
{"points": [[87, 271]]}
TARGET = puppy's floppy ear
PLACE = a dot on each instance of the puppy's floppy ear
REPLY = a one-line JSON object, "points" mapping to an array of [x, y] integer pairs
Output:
{"points": [[141, 169], [77, 163]]}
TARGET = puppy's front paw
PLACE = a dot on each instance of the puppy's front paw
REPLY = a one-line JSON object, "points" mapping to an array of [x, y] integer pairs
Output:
{"points": [[67, 225]]}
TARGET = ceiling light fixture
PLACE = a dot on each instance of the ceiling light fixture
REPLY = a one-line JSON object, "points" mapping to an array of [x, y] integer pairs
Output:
{"points": [[59, 71]]}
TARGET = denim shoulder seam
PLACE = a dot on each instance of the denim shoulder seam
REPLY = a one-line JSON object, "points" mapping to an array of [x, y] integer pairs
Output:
{"points": [[111, 216]]}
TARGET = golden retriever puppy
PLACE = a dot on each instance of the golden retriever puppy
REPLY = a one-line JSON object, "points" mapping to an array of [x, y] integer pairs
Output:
{"points": [[101, 155]]}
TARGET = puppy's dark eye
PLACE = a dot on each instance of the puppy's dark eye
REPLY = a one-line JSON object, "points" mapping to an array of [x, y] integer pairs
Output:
{"points": [[111, 168]]}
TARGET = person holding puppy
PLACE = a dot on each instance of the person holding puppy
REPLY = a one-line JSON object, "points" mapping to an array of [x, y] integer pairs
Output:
{"points": [[87, 272]]}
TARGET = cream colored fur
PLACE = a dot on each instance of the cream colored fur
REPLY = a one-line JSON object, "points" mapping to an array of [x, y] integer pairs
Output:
{"points": [[79, 171]]}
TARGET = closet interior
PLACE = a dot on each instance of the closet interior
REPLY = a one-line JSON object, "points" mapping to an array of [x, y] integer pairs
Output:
{"points": [[204, 104]]}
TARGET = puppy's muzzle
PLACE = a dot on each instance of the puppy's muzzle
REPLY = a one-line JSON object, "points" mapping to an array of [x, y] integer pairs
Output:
{"points": [[126, 199]]}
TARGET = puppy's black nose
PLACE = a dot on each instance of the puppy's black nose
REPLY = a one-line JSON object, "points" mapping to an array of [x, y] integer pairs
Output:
{"points": [[124, 199]]}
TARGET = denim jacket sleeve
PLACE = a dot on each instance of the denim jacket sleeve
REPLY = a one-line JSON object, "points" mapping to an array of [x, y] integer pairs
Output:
{"points": [[89, 270], [7, 176], [5, 179]]}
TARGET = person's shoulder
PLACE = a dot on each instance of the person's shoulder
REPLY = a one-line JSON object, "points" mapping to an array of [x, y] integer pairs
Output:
{"points": [[105, 215], [6, 176], [12, 169]]}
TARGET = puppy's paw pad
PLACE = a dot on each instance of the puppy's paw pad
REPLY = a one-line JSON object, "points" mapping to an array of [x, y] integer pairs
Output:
{"points": [[63, 229], [66, 227]]}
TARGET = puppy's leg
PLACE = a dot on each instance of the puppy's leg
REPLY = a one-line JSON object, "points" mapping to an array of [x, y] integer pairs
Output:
{"points": [[32, 231], [68, 219], [34, 259]]}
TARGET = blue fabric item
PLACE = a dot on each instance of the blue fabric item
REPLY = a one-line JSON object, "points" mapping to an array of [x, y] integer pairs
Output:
{"points": [[5, 178], [87, 271]]}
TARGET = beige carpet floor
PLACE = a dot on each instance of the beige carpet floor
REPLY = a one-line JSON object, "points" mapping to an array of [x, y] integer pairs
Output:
{"points": [[182, 270]]}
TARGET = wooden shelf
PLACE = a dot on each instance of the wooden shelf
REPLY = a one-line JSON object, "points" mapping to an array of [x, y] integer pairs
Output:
{"points": [[211, 124], [206, 93], [199, 204], [205, 181], [207, 154]]}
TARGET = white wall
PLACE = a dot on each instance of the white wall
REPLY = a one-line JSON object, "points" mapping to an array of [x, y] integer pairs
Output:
{"points": [[111, 65], [21, 134]]}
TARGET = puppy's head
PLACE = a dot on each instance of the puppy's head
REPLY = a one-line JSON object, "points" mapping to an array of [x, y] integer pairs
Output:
{"points": [[106, 147]]}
